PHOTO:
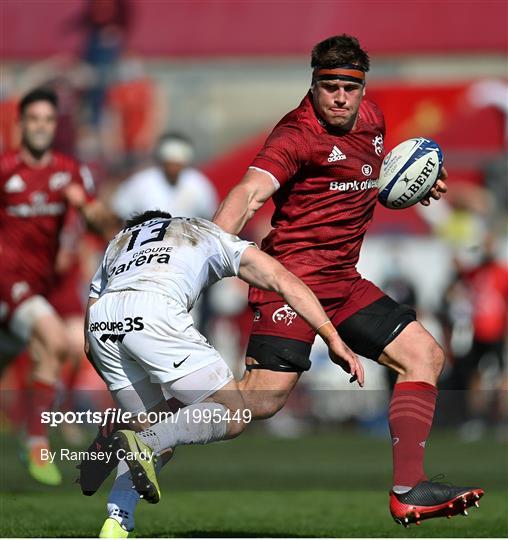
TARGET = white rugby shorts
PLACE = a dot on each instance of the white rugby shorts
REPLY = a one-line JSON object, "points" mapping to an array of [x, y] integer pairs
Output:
{"points": [[135, 334]]}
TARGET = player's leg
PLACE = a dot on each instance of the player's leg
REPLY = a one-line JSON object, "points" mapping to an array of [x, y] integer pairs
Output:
{"points": [[175, 355], [73, 323], [35, 322], [419, 360], [265, 392], [389, 333], [65, 297], [214, 410], [119, 371], [75, 342], [142, 397], [277, 354], [10, 347], [133, 393]]}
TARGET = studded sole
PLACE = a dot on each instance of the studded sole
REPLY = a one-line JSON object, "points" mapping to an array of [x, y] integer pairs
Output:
{"points": [[459, 505], [143, 485]]}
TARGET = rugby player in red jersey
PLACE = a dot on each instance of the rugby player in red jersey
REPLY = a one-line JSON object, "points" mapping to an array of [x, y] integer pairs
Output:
{"points": [[320, 165], [37, 187]]}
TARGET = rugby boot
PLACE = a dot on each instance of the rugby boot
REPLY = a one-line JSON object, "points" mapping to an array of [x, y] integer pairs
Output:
{"points": [[42, 471], [429, 499], [93, 472], [113, 529], [141, 460]]}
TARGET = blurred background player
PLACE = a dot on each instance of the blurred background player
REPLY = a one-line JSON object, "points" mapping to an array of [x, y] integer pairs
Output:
{"points": [[38, 186], [476, 315], [333, 138], [179, 188], [172, 183]]}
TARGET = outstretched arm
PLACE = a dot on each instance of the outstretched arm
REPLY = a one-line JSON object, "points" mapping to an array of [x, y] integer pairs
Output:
{"points": [[261, 270], [97, 217], [243, 201]]}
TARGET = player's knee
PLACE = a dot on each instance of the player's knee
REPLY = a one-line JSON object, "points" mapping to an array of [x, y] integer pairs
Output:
{"points": [[75, 342], [51, 341], [75, 352], [435, 358], [269, 404], [57, 347], [236, 428], [428, 361]]}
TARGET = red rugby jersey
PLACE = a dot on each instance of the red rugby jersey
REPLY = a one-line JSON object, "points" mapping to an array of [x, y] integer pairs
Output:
{"points": [[328, 191], [488, 288], [32, 212]]}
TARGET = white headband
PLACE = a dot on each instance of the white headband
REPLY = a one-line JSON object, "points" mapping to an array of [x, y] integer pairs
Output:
{"points": [[175, 150]]}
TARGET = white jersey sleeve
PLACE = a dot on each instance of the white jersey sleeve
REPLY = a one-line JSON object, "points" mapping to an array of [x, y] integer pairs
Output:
{"points": [[232, 251], [98, 282], [100, 278]]}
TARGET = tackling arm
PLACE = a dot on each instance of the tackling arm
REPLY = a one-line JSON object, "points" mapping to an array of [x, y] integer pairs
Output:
{"points": [[97, 217], [262, 271], [244, 200]]}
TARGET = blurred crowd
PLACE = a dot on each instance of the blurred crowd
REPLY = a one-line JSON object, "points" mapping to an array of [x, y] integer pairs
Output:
{"points": [[113, 117]]}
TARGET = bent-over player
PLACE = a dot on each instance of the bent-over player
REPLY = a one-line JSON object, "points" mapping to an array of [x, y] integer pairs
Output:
{"points": [[141, 338]]}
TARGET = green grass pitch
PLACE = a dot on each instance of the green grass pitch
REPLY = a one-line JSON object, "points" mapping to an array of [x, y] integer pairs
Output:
{"points": [[319, 485]]}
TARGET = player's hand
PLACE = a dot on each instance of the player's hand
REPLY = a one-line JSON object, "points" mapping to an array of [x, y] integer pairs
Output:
{"points": [[75, 196], [439, 188], [344, 357]]}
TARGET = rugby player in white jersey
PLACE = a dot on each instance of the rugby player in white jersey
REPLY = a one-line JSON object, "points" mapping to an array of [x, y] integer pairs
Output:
{"points": [[141, 338]]}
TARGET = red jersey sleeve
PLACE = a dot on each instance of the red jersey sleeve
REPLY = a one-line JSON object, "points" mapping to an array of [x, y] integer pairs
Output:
{"points": [[284, 153]]}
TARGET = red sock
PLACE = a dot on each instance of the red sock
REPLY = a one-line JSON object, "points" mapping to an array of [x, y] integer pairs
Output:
{"points": [[410, 417], [42, 397]]}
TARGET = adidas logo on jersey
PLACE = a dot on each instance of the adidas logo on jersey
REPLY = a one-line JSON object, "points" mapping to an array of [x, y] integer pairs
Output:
{"points": [[336, 155], [15, 184]]}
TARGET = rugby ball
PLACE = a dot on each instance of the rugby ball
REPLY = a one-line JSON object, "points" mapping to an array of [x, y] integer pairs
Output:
{"points": [[408, 172]]}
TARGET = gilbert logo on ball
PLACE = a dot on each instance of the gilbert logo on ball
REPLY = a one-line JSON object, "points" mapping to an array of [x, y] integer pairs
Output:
{"points": [[408, 172]]}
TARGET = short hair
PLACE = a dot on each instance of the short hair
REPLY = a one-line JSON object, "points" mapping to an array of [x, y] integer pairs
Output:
{"points": [[38, 94], [339, 50], [174, 136], [137, 219]]}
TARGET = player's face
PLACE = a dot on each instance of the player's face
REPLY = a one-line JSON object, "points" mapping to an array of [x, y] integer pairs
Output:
{"points": [[38, 126], [337, 102]]}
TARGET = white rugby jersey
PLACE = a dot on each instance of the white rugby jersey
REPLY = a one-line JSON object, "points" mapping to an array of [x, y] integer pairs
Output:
{"points": [[192, 196], [177, 257]]}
